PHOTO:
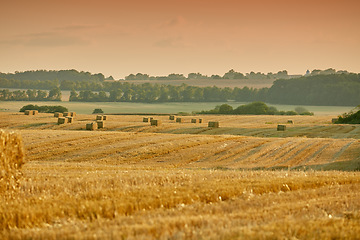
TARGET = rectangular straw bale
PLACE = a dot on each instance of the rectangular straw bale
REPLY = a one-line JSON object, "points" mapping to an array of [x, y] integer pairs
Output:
{"points": [[213, 124], [58, 114], [155, 122], [145, 119], [65, 114], [105, 117], [69, 119], [290, 122], [100, 124], [171, 117], [34, 112], [62, 120], [12, 157], [91, 126], [73, 114], [194, 120], [27, 112], [179, 120], [99, 117], [281, 127], [200, 120]]}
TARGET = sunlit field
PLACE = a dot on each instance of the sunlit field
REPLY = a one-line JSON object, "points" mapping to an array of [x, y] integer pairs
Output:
{"points": [[131, 180]]}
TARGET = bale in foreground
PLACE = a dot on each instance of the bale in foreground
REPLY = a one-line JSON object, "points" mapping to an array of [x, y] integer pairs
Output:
{"points": [[12, 157]]}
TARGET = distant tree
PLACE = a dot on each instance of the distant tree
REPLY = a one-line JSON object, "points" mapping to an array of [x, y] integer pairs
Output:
{"points": [[97, 110], [225, 109]]}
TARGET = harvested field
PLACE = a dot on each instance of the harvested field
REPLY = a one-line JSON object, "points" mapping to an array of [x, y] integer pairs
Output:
{"points": [[184, 181]]}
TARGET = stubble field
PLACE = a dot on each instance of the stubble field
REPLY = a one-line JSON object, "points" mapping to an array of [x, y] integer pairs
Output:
{"points": [[184, 180]]}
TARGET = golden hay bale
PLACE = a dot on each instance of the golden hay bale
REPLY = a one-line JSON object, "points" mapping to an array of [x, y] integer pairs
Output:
{"points": [[100, 124], [99, 117], [65, 114], [290, 122], [213, 124], [62, 120], [154, 122], [58, 114], [27, 112], [34, 112], [91, 126], [200, 120], [171, 117], [69, 119], [105, 117], [179, 120], [281, 127], [73, 114], [194, 120], [12, 157], [146, 119]]}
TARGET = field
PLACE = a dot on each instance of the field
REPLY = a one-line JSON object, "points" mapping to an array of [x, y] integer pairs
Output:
{"points": [[130, 180]]}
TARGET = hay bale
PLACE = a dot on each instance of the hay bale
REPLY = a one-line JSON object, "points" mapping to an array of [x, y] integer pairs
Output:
{"points": [[73, 114], [200, 120], [213, 124], [27, 112], [62, 120], [58, 114], [66, 114], [145, 119], [334, 120], [105, 117], [194, 120], [281, 127], [179, 120], [91, 126], [290, 122], [99, 117], [171, 117], [12, 157], [34, 112], [100, 124], [69, 119], [154, 122]]}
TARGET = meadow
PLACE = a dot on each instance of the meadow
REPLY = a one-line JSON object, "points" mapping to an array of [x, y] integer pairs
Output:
{"points": [[131, 180]]}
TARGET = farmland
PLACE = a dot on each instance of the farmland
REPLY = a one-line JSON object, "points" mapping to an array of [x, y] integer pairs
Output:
{"points": [[131, 180]]}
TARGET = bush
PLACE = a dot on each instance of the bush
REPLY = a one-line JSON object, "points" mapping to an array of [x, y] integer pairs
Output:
{"points": [[44, 109], [350, 118], [98, 110]]}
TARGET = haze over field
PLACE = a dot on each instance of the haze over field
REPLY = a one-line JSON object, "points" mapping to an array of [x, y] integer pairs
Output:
{"points": [[161, 36]]}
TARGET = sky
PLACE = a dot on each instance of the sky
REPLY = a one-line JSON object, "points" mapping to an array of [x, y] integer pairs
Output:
{"points": [[159, 37]]}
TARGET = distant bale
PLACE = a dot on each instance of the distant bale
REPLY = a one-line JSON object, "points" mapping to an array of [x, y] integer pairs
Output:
{"points": [[62, 120], [281, 127], [290, 122], [334, 120], [171, 117], [27, 112], [200, 120], [194, 120], [73, 114], [213, 124], [65, 114], [58, 114], [69, 119], [12, 157], [34, 112], [100, 124], [99, 117], [91, 126], [154, 122], [145, 119], [105, 117], [179, 120]]}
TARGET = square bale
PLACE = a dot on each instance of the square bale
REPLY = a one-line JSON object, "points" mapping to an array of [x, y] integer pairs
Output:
{"points": [[27, 112], [105, 117], [194, 120], [171, 117], [214, 124], [34, 112], [99, 117], [281, 127], [290, 122], [145, 119], [100, 124], [58, 114], [200, 120], [69, 119], [73, 114], [155, 122], [91, 126], [65, 114], [179, 120], [62, 120]]}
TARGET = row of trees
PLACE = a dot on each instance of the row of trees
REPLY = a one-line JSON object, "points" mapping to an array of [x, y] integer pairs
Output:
{"points": [[30, 95]]}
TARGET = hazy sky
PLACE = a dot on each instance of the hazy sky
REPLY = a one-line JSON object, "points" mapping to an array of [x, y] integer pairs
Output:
{"points": [[159, 37]]}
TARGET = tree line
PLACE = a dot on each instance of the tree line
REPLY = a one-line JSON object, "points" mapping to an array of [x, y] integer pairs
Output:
{"points": [[30, 95]]}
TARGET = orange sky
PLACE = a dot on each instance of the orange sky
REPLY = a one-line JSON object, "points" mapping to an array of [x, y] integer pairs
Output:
{"points": [[159, 37]]}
